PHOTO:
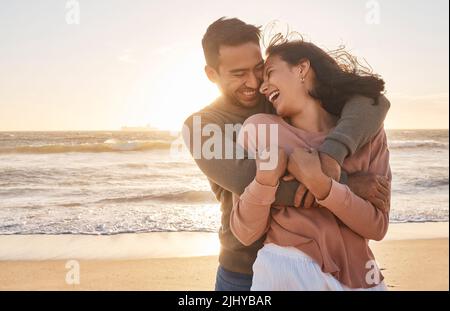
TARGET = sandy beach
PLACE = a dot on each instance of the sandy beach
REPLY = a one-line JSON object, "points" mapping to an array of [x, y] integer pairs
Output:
{"points": [[412, 257]]}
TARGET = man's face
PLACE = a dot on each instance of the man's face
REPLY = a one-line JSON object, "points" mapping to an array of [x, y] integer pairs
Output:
{"points": [[240, 73]]}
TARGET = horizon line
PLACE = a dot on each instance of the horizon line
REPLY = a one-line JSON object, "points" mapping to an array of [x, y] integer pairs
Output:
{"points": [[171, 130]]}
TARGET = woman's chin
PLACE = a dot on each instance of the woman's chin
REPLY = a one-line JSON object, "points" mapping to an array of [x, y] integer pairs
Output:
{"points": [[279, 111]]}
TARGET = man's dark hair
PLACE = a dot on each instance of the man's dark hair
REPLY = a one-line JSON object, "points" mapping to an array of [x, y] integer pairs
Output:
{"points": [[228, 32]]}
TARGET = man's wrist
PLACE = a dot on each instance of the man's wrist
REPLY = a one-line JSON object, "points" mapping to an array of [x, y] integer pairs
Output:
{"points": [[344, 178], [335, 149]]}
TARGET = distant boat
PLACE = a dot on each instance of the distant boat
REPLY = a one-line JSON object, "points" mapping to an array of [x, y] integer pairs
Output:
{"points": [[161, 133]]}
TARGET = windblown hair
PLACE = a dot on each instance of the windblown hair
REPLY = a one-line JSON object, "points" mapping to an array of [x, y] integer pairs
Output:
{"points": [[338, 74], [227, 32]]}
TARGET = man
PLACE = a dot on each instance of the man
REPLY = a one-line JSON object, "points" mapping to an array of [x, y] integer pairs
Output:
{"points": [[235, 64]]}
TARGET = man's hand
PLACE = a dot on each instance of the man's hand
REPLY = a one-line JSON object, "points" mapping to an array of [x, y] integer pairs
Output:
{"points": [[306, 196], [302, 192], [371, 187]]}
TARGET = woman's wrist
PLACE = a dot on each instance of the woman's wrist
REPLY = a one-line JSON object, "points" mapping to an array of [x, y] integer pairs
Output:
{"points": [[320, 187], [265, 180]]}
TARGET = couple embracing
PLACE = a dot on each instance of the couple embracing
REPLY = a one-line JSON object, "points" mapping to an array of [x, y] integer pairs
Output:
{"points": [[305, 222]]}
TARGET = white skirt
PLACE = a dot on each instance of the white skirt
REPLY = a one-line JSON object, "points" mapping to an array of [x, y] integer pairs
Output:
{"points": [[280, 268]]}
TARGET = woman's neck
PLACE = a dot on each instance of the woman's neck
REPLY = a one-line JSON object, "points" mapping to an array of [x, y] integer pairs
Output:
{"points": [[313, 118]]}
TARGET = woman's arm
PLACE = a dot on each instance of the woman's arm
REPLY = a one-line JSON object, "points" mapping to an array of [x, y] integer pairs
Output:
{"points": [[233, 174], [358, 214], [250, 216]]}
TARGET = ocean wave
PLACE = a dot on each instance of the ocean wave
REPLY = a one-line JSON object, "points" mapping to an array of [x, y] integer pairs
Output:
{"points": [[407, 184], [107, 146], [431, 183], [179, 197], [134, 165], [419, 219], [407, 144]]}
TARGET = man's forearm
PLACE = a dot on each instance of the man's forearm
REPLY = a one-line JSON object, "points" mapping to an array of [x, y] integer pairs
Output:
{"points": [[360, 121], [232, 175], [286, 193]]}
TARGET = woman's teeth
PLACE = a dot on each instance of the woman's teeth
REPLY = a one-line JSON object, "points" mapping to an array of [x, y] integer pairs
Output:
{"points": [[273, 96]]}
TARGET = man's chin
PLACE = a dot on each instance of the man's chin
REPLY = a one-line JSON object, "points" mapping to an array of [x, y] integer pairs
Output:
{"points": [[249, 103]]}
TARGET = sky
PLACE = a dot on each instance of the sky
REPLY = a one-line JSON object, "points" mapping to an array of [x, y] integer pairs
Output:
{"points": [[140, 62]]}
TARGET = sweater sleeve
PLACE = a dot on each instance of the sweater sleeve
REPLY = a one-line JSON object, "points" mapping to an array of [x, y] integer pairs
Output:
{"points": [[358, 214], [360, 120], [232, 174], [250, 216]]}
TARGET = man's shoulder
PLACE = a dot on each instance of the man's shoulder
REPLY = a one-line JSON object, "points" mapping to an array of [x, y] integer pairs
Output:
{"points": [[208, 112], [214, 113]]}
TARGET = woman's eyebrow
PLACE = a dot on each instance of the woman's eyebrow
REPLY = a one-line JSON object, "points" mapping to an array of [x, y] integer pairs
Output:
{"points": [[267, 69], [261, 63]]}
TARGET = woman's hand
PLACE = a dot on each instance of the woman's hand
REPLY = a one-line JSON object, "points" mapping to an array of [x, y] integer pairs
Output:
{"points": [[270, 174], [305, 166]]}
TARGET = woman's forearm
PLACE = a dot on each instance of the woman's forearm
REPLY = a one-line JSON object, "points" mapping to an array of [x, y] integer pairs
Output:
{"points": [[250, 216], [358, 214]]}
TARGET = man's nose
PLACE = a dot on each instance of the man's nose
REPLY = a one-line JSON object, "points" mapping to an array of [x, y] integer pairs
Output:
{"points": [[252, 81]]}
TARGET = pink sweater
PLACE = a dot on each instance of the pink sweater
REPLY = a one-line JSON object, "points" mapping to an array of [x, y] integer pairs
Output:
{"points": [[336, 234]]}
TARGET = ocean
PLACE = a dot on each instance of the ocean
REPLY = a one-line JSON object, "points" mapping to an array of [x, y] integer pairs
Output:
{"points": [[123, 182]]}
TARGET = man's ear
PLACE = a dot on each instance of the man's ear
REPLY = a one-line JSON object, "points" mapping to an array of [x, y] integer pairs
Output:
{"points": [[212, 74]]}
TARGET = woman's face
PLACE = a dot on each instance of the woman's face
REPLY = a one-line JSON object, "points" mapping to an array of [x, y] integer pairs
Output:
{"points": [[283, 86]]}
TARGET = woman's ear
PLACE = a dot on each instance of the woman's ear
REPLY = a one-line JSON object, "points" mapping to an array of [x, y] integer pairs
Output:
{"points": [[303, 68], [211, 73]]}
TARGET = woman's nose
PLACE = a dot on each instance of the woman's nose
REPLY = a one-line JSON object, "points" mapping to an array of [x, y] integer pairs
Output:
{"points": [[263, 88]]}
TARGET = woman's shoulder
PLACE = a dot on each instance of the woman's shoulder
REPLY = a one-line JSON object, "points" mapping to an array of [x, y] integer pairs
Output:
{"points": [[263, 118]]}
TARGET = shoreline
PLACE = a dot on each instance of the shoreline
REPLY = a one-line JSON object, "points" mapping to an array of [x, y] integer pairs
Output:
{"points": [[159, 244], [412, 257], [405, 264]]}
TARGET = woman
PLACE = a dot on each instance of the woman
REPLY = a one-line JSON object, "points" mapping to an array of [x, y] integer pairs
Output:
{"points": [[325, 246]]}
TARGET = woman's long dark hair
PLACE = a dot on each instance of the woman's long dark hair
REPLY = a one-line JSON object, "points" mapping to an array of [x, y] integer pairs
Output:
{"points": [[339, 75]]}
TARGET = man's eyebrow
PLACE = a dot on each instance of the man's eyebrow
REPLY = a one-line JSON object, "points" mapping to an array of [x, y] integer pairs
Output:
{"points": [[238, 70]]}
